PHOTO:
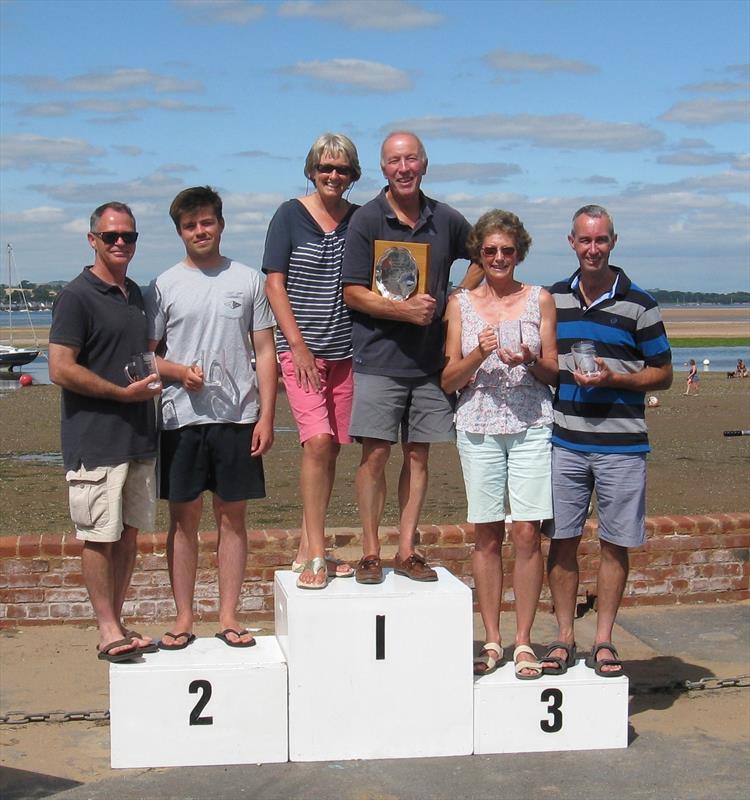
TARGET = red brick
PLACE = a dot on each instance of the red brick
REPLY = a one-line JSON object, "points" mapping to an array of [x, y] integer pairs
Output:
{"points": [[28, 546], [66, 595], [37, 610], [51, 544], [146, 543], [344, 539], [8, 546], [153, 562], [51, 579], [27, 595], [72, 547], [208, 540], [16, 612], [427, 538], [72, 579], [451, 535]]}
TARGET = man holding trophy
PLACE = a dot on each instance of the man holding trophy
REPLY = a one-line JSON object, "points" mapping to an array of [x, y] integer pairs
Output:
{"points": [[399, 251]]}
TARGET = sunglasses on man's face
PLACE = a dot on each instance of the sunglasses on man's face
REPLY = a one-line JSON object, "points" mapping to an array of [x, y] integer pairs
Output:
{"points": [[327, 169], [111, 237]]}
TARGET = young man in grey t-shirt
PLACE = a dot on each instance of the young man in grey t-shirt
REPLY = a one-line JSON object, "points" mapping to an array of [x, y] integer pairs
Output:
{"points": [[217, 412]]}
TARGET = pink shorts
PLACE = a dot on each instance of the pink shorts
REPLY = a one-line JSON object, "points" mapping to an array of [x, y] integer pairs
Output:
{"points": [[327, 411]]}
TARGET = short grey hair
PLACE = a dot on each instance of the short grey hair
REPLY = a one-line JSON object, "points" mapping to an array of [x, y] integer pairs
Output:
{"points": [[597, 212], [420, 147], [335, 144], [99, 212]]}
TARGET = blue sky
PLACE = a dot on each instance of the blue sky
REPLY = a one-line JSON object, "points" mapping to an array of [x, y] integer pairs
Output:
{"points": [[537, 107]]}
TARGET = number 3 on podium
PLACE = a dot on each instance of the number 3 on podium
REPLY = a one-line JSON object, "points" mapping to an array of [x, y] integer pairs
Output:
{"points": [[555, 698]]}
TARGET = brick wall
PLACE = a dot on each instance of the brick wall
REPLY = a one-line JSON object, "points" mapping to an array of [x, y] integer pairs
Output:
{"points": [[686, 560]]}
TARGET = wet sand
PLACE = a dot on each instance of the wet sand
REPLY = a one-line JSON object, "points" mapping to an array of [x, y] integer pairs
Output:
{"points": [[693, 468]]}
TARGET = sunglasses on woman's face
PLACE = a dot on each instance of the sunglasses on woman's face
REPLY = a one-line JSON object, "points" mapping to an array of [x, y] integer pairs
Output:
{"points": [[327, 169], [491, 252]]}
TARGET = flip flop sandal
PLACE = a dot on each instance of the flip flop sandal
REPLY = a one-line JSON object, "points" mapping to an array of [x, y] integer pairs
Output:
{"points": [[592, 663], [104, 653], [489, 662], [226, 640], [563, 664], [188, 637], [347, 571], [315, 565], [151, 647], [536, 666]]}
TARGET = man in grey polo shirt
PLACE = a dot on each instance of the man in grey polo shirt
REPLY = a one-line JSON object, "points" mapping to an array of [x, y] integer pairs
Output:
{"points": [[398, 350], [107, 424]]}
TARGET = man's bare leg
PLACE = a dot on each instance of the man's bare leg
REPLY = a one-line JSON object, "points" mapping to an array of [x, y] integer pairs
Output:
{"points": [[232, 556], [614, 565], [412, 490], [487, 569], [98, 575], [528, 573], [562, 574], [316, 482], [371, 489], [182, 560], [123, 560]]}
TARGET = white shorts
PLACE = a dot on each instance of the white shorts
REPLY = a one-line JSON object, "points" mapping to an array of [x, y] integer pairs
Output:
{"points": [[105, 499], [522, 461]]}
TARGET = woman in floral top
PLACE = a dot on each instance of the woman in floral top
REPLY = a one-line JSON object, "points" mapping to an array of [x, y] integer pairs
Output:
{"points": [[503, 424]]}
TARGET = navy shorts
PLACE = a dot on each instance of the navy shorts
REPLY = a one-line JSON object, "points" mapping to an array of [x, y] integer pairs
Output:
{"points": [[214, 457]]}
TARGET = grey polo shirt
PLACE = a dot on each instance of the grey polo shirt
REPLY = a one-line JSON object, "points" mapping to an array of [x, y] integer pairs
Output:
{"points": [[387, 347], [108, 329]]}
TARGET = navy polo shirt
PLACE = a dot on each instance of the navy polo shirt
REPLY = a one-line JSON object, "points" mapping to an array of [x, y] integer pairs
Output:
{"points": [[108, 329], [388, 347]]}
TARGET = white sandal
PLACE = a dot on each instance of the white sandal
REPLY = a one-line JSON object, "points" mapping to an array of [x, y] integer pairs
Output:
{"points": [[536, 666], [315, 565], [347, 569], [486, 660]]}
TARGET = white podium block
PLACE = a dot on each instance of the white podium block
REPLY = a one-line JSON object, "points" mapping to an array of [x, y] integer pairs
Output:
{"points": [[206, 704], [379, 671], [575, 711]]}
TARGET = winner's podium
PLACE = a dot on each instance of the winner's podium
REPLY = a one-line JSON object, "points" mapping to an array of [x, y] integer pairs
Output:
{"points": [[206, 704], [575, 711], [379, 671]]}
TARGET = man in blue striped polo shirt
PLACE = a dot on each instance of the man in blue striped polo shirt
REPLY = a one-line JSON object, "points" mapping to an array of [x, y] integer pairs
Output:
{"points": [[600, 438]]}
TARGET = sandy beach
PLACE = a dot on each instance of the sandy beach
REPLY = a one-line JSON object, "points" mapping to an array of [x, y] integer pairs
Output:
{"points": [[704, 321], [693, 468]]}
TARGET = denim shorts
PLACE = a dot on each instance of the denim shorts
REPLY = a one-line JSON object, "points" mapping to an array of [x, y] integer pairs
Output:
{"points": [[620, 483]]}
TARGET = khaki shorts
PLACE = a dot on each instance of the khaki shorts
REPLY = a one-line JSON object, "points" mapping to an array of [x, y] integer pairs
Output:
{"points": [[105, 499]]}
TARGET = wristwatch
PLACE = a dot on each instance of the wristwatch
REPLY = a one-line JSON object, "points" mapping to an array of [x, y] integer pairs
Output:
{"points": [[530, 364]]}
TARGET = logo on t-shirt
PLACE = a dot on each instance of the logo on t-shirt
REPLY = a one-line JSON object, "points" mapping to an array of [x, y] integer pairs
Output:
{"points": [[232, 304]]}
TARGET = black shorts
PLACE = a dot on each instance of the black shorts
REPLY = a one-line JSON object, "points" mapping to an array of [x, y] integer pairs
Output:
{"points": [[214, 457]]}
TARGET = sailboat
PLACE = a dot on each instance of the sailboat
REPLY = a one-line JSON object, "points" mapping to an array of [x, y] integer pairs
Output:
{"points": [[10, 355]]}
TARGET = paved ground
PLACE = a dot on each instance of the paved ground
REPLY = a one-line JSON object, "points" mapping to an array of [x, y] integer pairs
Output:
{"points": [[688, 746]]}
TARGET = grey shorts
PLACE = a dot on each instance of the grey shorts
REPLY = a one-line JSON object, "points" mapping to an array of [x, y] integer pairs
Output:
{"points": [[620, 483], [416, 408]]}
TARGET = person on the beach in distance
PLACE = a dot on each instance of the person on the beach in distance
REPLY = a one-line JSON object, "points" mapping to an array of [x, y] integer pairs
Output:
{"points": [[217, 412], [108, 424], [398, 350], [693, 378], [599, 438], [741, 371], [503, 425], [302, 259]]}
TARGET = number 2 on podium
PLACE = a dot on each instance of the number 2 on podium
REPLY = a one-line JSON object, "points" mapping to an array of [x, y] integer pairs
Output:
{"points": [[195, 715], [554, 697]]}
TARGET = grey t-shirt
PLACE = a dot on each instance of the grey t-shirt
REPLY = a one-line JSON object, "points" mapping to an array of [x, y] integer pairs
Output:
{"points": [[207, 314]]}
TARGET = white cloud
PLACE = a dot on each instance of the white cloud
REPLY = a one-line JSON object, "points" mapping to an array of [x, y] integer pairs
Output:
{"points": [[378, 15], [601, 180], [25, 150], [155, 186], [708, 112], [532, 62], [128, 149], [368, 76], [124, 108], [688, 158], [116, 81], [717, 87], [475, 173], [742, 161], [743, 70], [235, 12], [570, 131], [41, 215]]}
